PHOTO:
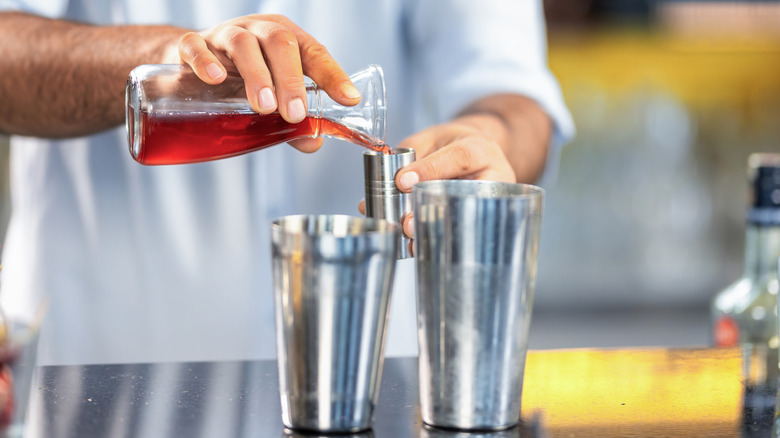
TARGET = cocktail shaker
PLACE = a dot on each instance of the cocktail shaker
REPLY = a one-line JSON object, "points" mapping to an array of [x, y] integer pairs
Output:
{"points": [[475, 249], [333, 276], [383, 199]]}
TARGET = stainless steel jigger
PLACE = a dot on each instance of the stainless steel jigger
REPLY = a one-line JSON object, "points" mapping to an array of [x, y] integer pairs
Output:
{"points": [[383, 199]]}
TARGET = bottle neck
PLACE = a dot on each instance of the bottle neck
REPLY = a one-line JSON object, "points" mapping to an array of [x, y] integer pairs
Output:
{"points": [[313, 101], [762, 249]]}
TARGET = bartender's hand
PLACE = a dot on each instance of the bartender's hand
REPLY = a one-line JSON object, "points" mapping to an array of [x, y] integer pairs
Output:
{"points": [[453, 150], [497, 138], [272, 54]]}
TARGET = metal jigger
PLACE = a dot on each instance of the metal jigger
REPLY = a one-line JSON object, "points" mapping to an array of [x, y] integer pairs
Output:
{"points": [[383, 199]]}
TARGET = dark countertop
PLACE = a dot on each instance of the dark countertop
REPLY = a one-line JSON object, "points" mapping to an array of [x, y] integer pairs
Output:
{"points": [[568, 393]]}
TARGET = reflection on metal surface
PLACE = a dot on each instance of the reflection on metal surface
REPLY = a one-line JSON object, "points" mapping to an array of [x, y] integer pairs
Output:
{"points": [[287, 433], [526, 429]]}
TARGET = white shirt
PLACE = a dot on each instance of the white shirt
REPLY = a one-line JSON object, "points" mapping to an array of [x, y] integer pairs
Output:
{"points": [[172, 263]]}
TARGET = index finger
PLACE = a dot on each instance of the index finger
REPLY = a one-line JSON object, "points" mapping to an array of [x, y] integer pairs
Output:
{"points": [[469, 158], [321, 67]]}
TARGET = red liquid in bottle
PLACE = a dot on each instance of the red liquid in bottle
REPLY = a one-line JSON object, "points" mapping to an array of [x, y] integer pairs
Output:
{"points": [[8, 355], [6, 395], [177, 138]]}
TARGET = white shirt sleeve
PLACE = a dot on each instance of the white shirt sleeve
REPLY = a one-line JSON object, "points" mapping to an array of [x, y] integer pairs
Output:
{"points": [[46, 8], [464, 50]]}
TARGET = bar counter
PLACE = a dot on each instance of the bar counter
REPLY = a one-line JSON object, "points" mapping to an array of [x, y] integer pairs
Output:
{"points": [[567, 393]]}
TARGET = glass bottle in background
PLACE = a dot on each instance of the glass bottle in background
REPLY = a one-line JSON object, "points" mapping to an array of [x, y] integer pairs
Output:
{"points": [[756, 313], [745, 313]]}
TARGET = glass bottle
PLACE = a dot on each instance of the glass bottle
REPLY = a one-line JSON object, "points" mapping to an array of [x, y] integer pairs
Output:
{"points": [[745, 313], [173, 117]]}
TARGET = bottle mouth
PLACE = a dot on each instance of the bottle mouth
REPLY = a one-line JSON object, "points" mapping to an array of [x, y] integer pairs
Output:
{"points": [[378, 96], [367, 119], [370, 82]]}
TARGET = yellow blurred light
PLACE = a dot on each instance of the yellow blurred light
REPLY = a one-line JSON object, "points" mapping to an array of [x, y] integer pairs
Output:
{"points": [[616, 392], [700, 69]]}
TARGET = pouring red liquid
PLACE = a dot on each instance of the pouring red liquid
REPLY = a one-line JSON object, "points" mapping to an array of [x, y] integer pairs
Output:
{"points": [[173, 117], [181, 138]]}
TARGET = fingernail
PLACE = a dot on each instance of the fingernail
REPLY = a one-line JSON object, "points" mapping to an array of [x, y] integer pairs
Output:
{"points": [[349, 91], [409, 227], [408, 179], [296, 110], [214, 71], [267, 99]]}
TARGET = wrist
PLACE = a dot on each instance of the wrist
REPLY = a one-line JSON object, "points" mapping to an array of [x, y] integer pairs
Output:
{"points": [[163, 45], [520, 127]]}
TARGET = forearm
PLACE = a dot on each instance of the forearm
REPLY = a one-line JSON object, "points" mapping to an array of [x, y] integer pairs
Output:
{"points": [[519, 125], [62, 79]]}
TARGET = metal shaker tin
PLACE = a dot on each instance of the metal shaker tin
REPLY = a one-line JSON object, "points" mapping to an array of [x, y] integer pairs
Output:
{"points": [[383, 199]]}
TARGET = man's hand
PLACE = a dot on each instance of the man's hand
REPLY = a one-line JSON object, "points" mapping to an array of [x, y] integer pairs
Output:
{"points": [[62, 79], [454, 150], [272, 54], [498, 138]]}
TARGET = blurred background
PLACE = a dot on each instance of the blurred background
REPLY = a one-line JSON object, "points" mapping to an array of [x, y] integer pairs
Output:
{"points": [[645, 222]]}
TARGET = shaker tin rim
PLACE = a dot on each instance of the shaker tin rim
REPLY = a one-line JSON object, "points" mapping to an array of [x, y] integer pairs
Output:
{"points": [[372, 226], [463, 188]]}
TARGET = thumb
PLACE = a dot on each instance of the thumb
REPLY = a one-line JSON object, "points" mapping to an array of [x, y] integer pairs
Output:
{"points": [[406, 178]]}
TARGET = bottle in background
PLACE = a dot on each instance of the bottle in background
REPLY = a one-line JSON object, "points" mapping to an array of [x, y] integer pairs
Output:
{"points": [[745, 313]]}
